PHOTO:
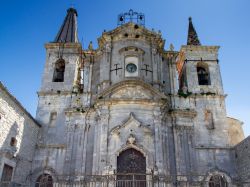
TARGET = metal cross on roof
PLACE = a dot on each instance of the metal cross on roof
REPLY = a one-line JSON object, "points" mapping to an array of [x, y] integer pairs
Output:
{"points": [[131, 16]]}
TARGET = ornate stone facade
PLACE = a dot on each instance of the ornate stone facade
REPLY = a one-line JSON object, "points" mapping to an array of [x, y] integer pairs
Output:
{"points": [[131, 100], [129, 97]]}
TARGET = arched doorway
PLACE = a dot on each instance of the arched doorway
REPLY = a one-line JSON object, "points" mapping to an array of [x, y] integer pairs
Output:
{"points": [[218, 181], [131, 169], [44, 180]]}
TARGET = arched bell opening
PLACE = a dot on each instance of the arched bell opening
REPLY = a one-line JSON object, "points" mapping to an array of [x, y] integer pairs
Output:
{"points": [[59, 71], [203, 74]]}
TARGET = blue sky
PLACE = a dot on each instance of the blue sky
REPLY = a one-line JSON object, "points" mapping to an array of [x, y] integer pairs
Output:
{"points": [[27, 25]]}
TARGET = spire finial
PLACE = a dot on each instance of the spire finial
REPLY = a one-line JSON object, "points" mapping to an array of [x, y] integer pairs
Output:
{"points": [[68, 31], [90, 47], [192, 35]]}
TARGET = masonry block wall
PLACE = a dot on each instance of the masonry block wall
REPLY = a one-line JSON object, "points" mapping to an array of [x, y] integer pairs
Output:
{"points": [[242, 154], [18, 137]]}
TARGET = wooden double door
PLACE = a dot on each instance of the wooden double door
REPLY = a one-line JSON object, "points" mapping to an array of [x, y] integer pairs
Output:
{"points": [[131, 169]]}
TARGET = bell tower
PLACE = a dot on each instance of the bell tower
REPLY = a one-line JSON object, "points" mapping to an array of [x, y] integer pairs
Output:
{"points": [[200, 78], [62, 71], [198, 67], [62, 57]]}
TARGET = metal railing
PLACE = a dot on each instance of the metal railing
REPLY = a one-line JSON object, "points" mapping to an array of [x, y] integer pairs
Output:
{"points": [[125, 180], [11, 184]]}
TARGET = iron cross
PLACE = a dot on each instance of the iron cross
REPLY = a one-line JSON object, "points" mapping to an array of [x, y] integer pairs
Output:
{"points": [[116, 68], [146, 69]]}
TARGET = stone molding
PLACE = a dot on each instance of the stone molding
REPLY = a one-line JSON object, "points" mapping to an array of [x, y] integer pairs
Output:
{"points": [[59, 146], [126, 83], [131, 119], [65, 45], [200, 48]]}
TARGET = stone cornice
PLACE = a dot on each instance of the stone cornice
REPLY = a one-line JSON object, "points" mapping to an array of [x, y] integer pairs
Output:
{"points": [[194, 48], [44, 93], [59, 146], [64, 45], [148, 102], [170, 54], [212, 147], [198, 95], [54, 92]]}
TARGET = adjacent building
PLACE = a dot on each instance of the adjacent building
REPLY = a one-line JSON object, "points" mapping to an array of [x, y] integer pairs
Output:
{"points": [[18, 137]]}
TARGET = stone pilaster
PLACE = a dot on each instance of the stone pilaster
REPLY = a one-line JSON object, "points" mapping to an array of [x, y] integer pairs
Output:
{"points": [[101, 151], [158, 141]]}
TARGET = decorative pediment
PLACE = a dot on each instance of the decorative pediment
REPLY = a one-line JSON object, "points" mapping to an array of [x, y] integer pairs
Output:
{"points": [[132, 89], [131, 122], [131, 31], [135, 92]]}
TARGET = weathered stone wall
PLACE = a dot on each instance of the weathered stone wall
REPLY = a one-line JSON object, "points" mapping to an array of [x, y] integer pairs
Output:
{"points": [[242, 154], [54, 53], [16, 123], [206, 55], [176, 134], [235, 131]]}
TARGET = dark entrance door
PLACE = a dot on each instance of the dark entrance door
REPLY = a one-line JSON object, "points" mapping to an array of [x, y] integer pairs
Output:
{"points": [[131, 169], [44, 180], [6, 175]]}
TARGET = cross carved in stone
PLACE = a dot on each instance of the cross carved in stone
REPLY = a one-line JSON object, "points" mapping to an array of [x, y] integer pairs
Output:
{"points": [[116, 68], [146, 69]]}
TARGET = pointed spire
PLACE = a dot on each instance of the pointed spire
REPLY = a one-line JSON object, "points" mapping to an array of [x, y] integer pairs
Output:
{"points": [[192, 35], [68, 31]]}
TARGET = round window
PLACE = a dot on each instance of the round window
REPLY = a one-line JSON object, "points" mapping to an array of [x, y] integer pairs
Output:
{"points": [[131, 68]]}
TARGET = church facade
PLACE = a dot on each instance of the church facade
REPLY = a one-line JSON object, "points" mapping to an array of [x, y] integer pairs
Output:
{"points": [[134, 112]]}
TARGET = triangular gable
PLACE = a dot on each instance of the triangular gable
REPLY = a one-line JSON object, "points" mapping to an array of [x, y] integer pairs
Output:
{"points": [[130, 121]]}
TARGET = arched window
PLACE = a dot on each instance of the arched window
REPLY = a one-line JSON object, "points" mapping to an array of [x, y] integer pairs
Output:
{"points": [[59, 71], [45, 180], [13, 142], [218, 181], [203, 75]]}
